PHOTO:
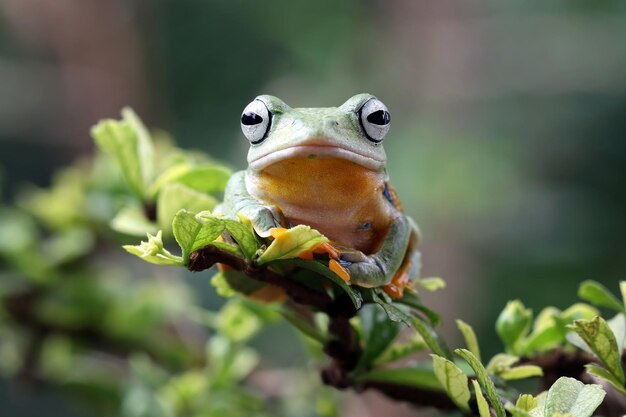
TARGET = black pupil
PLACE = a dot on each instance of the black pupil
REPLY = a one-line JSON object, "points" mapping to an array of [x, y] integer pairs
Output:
{"points": [[251, 118], [379, 117]]}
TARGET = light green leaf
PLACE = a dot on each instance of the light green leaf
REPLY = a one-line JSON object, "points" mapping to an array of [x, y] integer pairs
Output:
{"points": [[145, 145], [203, 178], [599, 295], [378, 332], [453, 380], [526, 402], [432, 339], [218, 281], [598, 336], [569, 396], [415, 377], [483, 407], [521, 372], [131, 221], [236, 322], [193, 234], [602, 373], [618, 327], [470, 338], [578, 311], [292, 243], [501, 362], [227, 247], [153, 252], [513, 325], [130, 145], [174, 197], [243, 236], [502, 366], [485, 382], [431, 284]]}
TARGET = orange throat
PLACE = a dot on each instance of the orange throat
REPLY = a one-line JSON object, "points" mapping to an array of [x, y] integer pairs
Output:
{"points": [[341, 199]]}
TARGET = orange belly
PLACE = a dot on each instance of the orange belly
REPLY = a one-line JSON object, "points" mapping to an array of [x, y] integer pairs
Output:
{"points": [[341, 199]]}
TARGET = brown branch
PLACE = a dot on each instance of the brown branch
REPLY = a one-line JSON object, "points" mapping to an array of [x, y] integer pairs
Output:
{"points": [[208, 256]]}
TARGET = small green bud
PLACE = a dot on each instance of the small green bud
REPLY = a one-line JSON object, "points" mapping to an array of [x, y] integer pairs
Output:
{"points": [[513, 324]]}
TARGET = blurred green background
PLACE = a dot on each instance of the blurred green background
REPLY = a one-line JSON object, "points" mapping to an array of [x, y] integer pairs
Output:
{"points": [[508, 141]]}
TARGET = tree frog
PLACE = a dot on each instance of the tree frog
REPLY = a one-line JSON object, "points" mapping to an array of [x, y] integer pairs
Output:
{"points": [[326, 168]]}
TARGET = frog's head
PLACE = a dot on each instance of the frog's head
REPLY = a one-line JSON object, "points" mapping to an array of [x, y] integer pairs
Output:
{"points": [[353, 132]]}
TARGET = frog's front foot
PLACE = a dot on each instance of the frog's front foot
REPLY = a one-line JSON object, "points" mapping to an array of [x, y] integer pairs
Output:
{"points": [[368, 271], [264, 219]]}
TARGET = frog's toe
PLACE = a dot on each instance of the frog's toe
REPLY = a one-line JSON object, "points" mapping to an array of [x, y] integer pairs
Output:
{"points": [[353, 256]]}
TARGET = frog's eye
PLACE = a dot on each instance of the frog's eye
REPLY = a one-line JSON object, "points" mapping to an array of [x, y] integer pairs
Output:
{"points": [[256, 121], [375, 120]]}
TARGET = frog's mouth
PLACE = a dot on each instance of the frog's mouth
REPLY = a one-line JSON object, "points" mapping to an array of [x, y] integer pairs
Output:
{"points": [[314, 151]]}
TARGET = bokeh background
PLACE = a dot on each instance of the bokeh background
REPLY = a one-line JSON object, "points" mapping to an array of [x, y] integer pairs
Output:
{"points": [[508, 141]]}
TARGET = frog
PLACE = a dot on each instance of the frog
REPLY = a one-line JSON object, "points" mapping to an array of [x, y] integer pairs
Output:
{"points": [[326, 168]]}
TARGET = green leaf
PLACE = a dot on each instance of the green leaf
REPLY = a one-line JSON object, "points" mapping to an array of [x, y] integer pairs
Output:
{"points": [[432, 339], [412, 300], [502, 366], [453, 380], [174, 197], [131, 146], [393, 312], [379, 333], [515, 411], [153, 252], [221, 285], [521, 372], [618, 327], [193, 234], [602, 373], [203, 178], [227, 247], [239, 282], [291, 243], [236, 322], [483, 407], [483, 379], [145, 145], [306, 328], [513, 325], [415, 377], [501, 362], [526, 402], [132, 221], [598, 336], [578, 311], [431, 284], [323, 271], [569, 396], [470, 337], [243, 236], [597, 294], [398, 351]]}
